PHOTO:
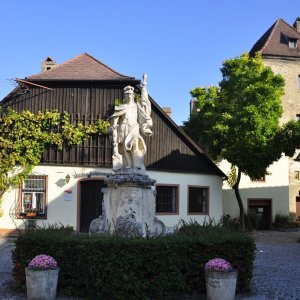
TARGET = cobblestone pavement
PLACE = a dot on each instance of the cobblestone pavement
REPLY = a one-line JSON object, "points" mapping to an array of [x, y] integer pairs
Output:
{"points": [[276, 273], [6, 279], [277, 266]]}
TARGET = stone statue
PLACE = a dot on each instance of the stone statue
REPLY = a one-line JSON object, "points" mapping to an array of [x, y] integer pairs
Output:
{"points": [[129, 122], [128, 206]]}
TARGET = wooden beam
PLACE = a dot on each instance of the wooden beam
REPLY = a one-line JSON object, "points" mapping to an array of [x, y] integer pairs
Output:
{"points": [[34, 84]]}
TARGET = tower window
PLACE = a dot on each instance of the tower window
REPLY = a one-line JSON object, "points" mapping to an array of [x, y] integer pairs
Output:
{"points": [[292, 43]]}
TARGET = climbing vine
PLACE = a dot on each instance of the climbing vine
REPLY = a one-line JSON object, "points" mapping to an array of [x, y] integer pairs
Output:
{"points": [[24, 137]]}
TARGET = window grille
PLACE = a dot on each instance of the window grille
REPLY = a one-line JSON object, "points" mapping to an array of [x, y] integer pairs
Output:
{"points": [[33, 196], [198, 200], [166, 199]]}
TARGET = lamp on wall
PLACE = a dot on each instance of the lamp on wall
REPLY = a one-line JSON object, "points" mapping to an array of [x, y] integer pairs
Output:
{"points": [[68, 177]]}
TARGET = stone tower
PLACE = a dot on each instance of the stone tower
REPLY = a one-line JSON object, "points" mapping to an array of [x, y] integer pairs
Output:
{"points": [[280, 50]]}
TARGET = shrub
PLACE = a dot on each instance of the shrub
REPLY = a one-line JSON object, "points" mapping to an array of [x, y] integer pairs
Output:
{"points": [[295, 224], [285, 222], [230, 223], [104, 267], [252, 219]]}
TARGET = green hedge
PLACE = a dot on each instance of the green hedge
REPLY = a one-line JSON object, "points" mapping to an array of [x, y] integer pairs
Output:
{"points": [[134, 268]]}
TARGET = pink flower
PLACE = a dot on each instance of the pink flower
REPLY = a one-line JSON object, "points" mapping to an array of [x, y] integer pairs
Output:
{"points": [[42, 262], [218, 264]]}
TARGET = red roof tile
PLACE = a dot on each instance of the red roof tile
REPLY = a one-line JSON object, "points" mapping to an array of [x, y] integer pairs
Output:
{"points": [[275, 41], [81, 67]]}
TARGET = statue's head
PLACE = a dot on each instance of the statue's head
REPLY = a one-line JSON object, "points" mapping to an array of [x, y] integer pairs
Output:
{"points": [[129, 93]]}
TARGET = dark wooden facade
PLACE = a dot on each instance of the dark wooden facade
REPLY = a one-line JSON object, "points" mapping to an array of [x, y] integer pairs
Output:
{"points": [[169, 149]]}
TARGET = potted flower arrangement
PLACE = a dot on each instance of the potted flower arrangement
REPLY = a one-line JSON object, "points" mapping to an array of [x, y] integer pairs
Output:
{"points": [[41, 278], [31, 213], [220, 279]]}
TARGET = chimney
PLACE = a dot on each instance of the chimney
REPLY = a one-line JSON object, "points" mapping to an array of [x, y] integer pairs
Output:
{"points": [[297, 24], [48, 64], [168, 111], [193, 105]]}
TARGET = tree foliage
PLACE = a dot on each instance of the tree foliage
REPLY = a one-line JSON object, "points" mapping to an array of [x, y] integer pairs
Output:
{"points": [[288, 139], [239, 120], [24, 137]]}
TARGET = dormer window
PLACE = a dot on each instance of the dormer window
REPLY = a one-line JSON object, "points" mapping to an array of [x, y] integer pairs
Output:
{"points": [[292, 43]]}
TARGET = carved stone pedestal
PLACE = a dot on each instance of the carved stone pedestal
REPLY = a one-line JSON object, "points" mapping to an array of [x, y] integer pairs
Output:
{"points": [[128, 207]]}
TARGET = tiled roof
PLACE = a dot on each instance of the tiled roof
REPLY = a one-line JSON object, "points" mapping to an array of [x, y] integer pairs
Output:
{"points": [[81, 67], [275, 41]]}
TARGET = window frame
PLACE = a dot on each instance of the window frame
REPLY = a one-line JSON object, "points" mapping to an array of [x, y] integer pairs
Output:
{"points": [[207, 204], [22, 191], [176, 186]]}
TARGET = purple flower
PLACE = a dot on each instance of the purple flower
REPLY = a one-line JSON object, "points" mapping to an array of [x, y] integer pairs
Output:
{"points": [[42, 262], [218, 264]]}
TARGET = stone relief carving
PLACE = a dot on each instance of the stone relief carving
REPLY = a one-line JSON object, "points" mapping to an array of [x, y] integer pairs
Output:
{"points": [[127, 212]]}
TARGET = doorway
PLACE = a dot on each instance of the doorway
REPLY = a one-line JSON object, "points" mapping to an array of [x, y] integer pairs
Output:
{"points": [[91, 198], [263, 208], [298, 207]]}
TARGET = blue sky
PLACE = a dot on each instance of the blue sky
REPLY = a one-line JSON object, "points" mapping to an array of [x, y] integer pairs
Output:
{"points": [[180, 44]]}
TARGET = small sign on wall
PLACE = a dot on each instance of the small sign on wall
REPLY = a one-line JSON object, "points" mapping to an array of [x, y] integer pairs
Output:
{"points": [[67, 195]]}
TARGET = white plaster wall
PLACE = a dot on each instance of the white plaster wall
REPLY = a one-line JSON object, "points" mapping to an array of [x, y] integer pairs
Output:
{"points": [[65, 212], [294, 179], [214, 183], [275, 187], [278, 175], [278, 195], [58, 210]]}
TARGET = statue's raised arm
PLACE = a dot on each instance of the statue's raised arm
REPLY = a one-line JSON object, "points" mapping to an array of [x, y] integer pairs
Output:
{"points": [[144, 108]]}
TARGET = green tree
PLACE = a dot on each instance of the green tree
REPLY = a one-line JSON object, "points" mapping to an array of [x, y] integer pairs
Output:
{"points": [[288, 139], [24, 137], [239, 120]]}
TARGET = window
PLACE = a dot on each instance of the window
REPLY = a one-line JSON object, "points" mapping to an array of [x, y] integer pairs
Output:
{"points": [[167, 199], [262, 179], [298, 118], [198, 200], [292, 43], [299, 82], [33, 197], [297, 177]]}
